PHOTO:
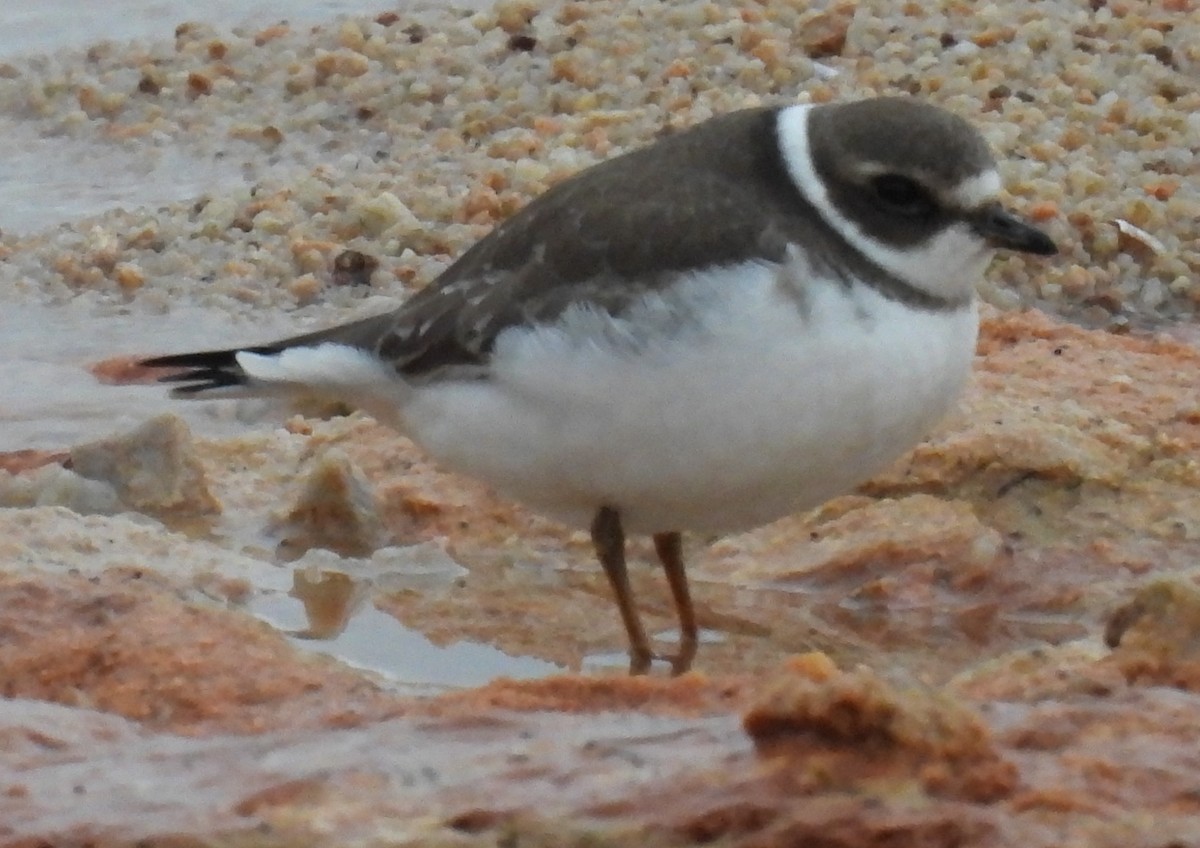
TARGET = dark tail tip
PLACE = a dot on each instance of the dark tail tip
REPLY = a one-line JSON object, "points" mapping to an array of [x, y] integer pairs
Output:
{"points": [[199, 372]]}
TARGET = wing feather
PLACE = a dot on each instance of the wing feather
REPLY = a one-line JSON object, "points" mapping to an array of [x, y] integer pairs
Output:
{"points": [[604, 237]]}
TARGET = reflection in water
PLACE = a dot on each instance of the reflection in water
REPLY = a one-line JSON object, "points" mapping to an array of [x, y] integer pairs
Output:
{"points": [[330, 599], [332, 618]]}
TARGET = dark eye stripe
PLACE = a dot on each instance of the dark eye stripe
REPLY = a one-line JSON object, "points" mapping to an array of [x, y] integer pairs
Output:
{"points": [[903, 195]]}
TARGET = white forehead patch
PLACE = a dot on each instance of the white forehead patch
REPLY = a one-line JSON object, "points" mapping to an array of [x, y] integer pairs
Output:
{"points": [[977, 190]]}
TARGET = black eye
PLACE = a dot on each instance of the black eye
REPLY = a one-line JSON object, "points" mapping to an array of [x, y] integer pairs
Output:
{"points": [[902, 195]]}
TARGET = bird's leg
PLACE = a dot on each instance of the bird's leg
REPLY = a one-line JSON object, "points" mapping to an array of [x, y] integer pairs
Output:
{"points": [[609, 539], [670, 554]]}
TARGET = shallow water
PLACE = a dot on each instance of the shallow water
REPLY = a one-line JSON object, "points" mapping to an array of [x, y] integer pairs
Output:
{"points": [[46, 181], [51, 400], [37, 192], [50, 180], [377, 642]]}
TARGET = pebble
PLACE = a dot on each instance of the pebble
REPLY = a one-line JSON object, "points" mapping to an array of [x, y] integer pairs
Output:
{"points": [[153, 469], [397, 125]]}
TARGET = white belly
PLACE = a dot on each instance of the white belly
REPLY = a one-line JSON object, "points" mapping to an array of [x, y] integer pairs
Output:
{"points": [[763, 406]]}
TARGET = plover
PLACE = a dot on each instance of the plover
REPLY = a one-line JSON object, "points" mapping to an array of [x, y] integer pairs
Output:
{"points": [[732, 324]]}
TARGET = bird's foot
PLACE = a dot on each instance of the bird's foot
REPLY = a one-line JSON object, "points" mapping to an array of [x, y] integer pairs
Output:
{"points": [[680, 662], [640, 659]]}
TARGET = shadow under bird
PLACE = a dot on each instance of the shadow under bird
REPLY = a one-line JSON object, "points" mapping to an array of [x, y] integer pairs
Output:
{"points": [[732, 324]]}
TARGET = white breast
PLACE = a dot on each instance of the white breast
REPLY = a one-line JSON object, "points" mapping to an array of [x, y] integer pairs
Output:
{"points": [[728, 404]]}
